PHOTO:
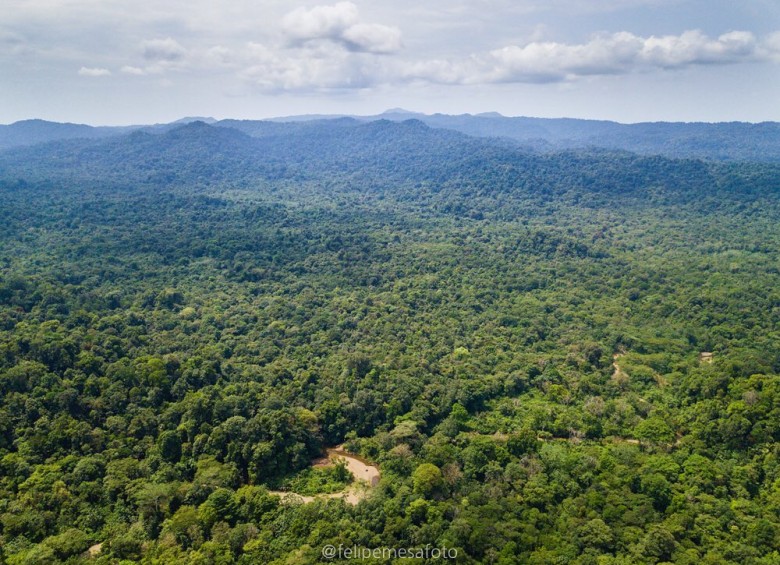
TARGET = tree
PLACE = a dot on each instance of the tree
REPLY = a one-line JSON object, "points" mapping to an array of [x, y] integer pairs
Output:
{"points": [[185, 526], [655, 430], [427, 479], [169, 445], [596, 534]]}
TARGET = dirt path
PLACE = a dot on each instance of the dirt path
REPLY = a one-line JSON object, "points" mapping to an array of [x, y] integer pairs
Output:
{"points": [[618, 370], [619, 376], [366, 477]]}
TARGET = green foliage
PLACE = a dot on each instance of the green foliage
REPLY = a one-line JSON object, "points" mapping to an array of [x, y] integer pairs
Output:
{"points": [[190, 318], [319, 480], [654, 429], [69, 543], [427, 479]]}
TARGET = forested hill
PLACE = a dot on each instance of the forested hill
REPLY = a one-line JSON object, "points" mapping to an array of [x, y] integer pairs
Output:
{"points": [[734, 141], [407, 159], [31, 132], [552, 357], [726, 141]]}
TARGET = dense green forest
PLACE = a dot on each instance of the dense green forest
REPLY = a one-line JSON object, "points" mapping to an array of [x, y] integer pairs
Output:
{"points": [[189, 318]]}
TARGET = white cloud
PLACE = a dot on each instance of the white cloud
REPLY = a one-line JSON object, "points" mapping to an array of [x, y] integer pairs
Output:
{"points": [[695, 48], [94, 72], [340, 23], [130, 70], [320, 22], [327, 48], [605, 54]]}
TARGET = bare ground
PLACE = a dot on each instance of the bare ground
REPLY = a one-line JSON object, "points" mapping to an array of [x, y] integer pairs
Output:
{"points": [[366, 477]]}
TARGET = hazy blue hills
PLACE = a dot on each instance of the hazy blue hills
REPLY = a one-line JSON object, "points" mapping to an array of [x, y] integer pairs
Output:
{"points": [[727, 141], [31, 132], [735, 141]]}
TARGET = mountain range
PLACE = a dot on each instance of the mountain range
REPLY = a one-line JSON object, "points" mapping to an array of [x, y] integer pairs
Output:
{"points": [[732, 141]]}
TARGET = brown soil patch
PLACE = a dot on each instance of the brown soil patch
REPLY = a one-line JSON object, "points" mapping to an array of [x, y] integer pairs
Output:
{"points": [[366, 477]]}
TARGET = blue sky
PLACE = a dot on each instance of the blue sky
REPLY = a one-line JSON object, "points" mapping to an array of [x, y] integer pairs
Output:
{"points": [[144, 61]]}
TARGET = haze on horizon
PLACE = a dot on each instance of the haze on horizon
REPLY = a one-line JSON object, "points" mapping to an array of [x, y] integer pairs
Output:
{"points": [[116, 62]]}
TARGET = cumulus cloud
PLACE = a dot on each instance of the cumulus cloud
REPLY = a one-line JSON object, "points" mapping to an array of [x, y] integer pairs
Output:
{"points": [[604, 54], [340, 23], [320, 21], [94, 72], [326, 48], [693, 47]]}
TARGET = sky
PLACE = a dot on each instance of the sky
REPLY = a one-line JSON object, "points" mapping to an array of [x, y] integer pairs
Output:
{"points": [[116, 62]]}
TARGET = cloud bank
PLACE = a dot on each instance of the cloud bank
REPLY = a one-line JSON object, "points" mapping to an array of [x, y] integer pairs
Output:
{"points": [[334, 47], [336, 65], [605, 54]]}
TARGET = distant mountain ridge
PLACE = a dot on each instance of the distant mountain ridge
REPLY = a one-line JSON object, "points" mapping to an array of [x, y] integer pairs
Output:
{"points": [[35, 131], [31, 132], [409, 161], [727, 141]]}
